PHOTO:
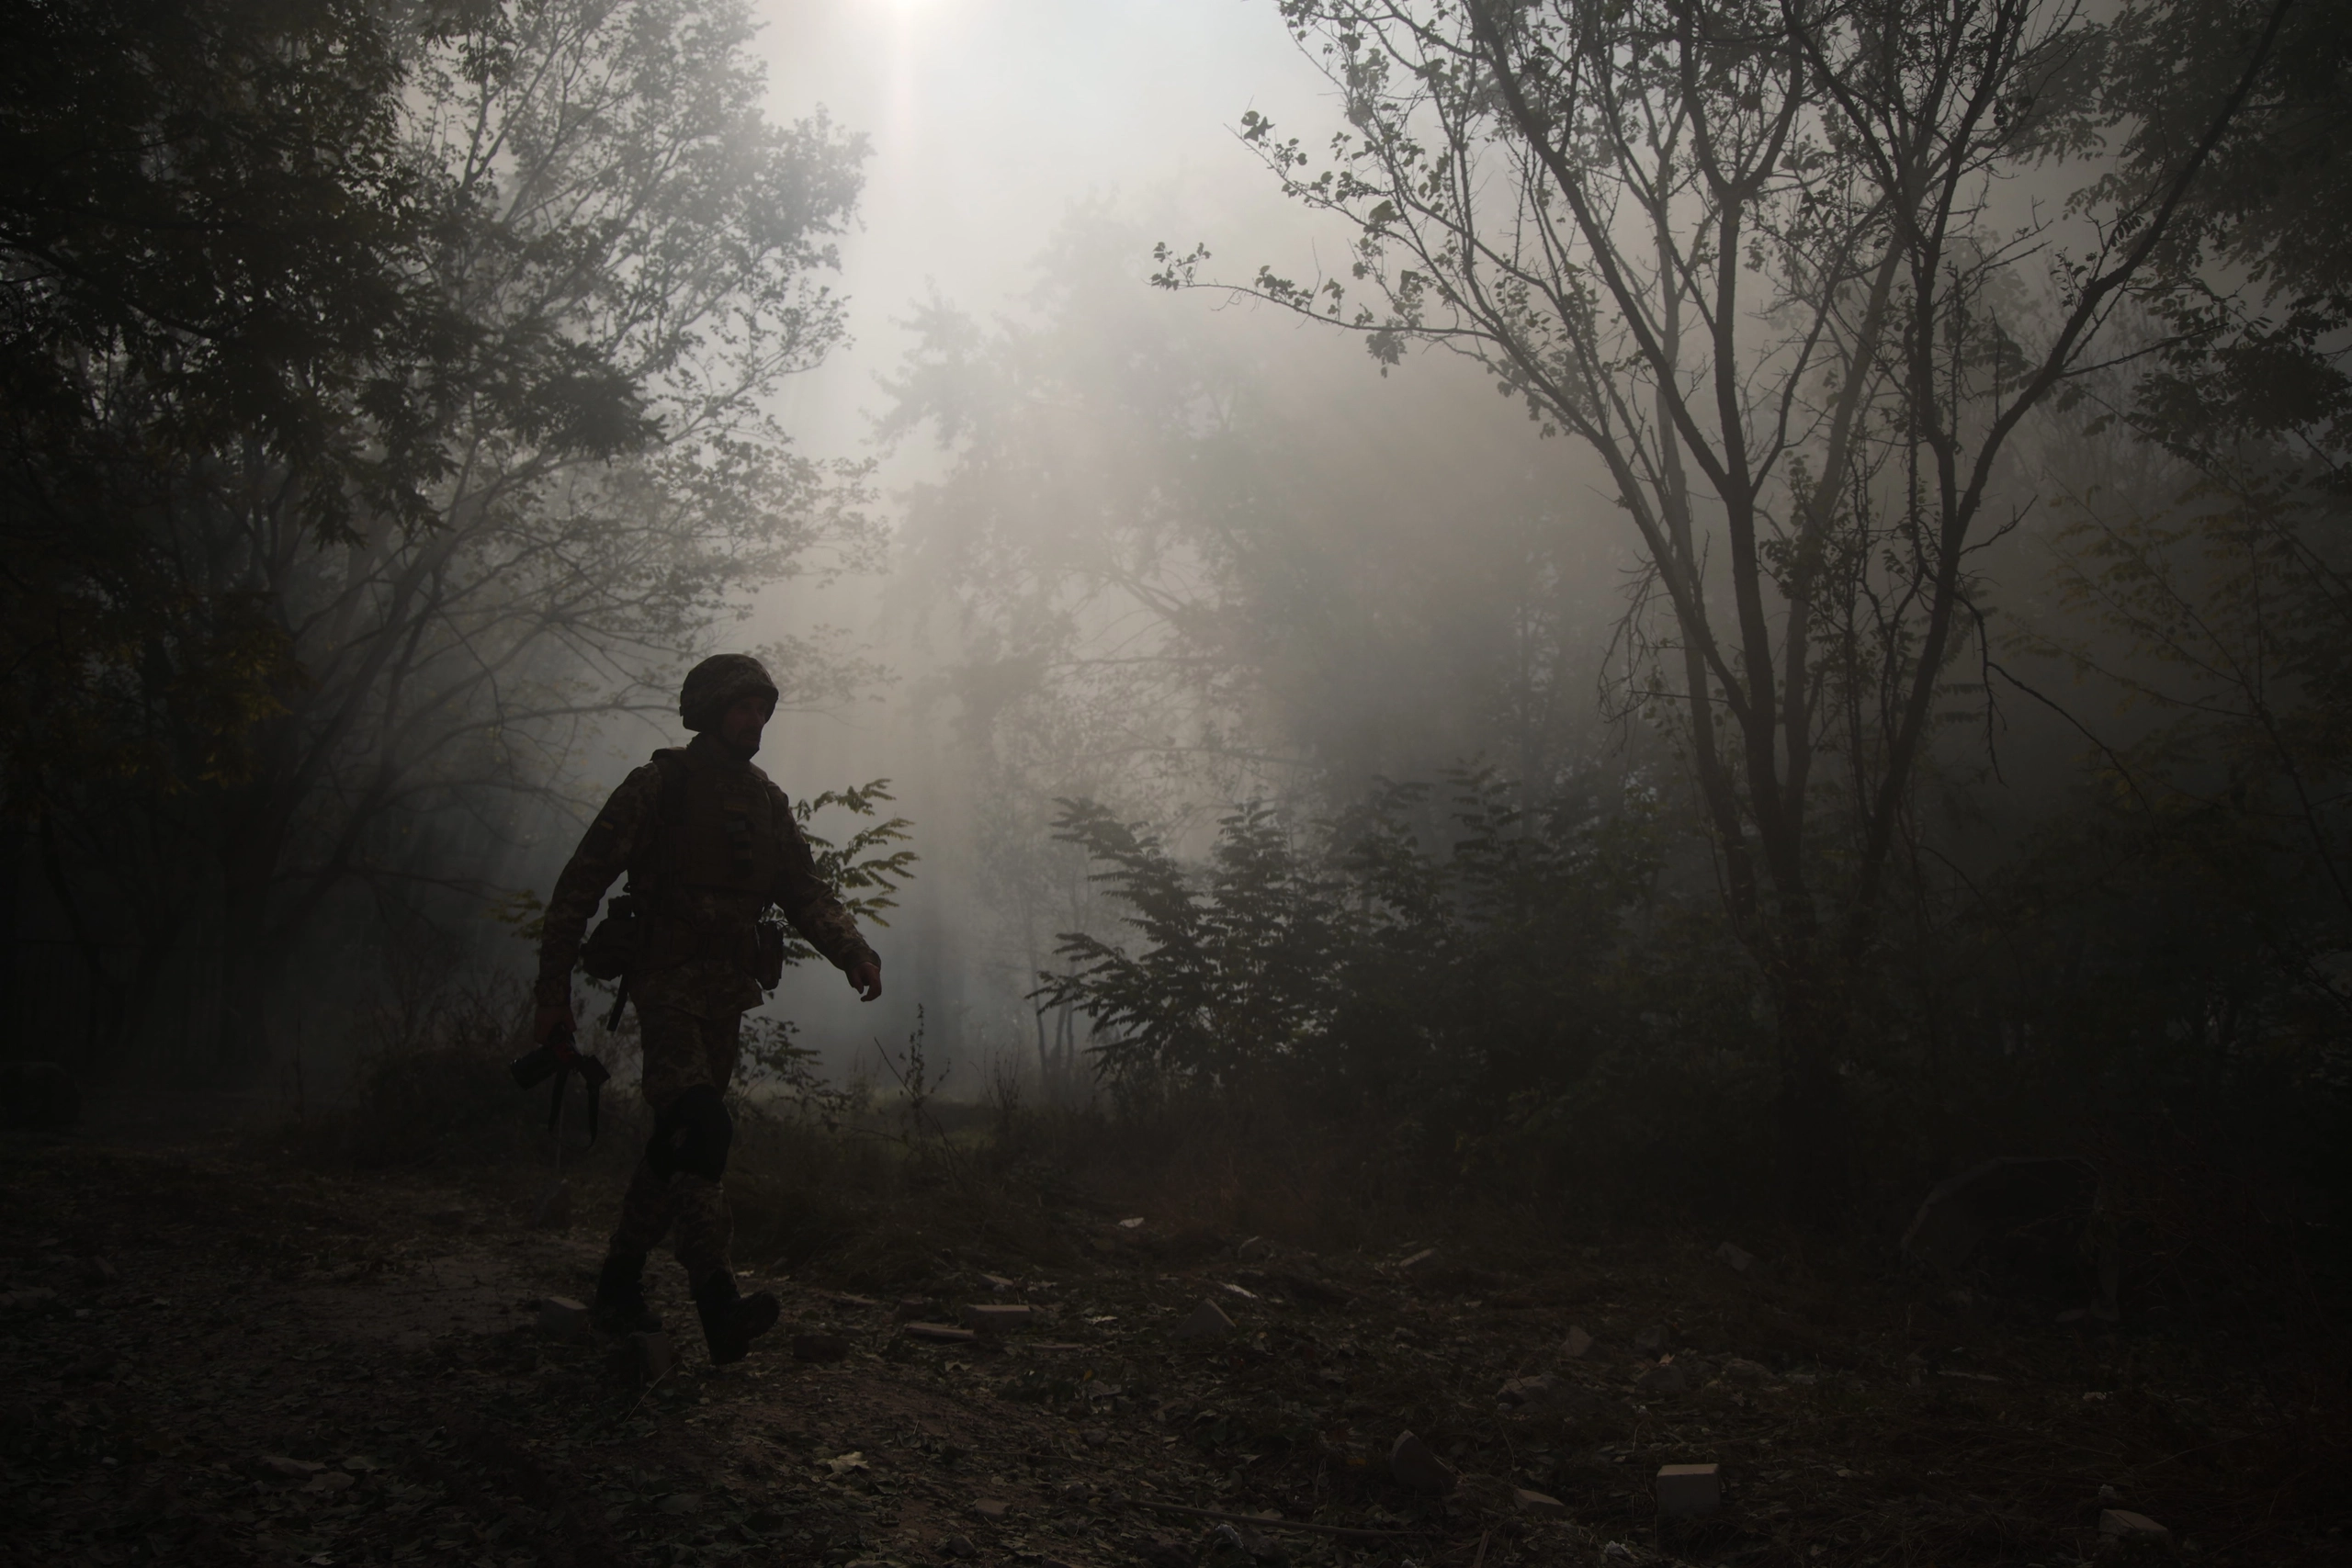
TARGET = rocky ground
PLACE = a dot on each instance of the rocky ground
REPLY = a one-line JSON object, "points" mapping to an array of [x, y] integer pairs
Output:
{"points": [[215, 1355]]}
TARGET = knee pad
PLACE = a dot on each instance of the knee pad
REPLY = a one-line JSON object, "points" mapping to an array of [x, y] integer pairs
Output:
{"points": [[693, 1135]]}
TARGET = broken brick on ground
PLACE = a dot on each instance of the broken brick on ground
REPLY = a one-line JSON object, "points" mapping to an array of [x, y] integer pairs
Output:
{"points": [[394, 1363]]}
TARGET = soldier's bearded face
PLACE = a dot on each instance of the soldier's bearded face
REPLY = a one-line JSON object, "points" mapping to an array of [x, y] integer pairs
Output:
{"points": [[742, 722]]}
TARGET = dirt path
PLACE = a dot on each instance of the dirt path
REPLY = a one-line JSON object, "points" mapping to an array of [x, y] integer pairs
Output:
{"points": [[273, 1366]]}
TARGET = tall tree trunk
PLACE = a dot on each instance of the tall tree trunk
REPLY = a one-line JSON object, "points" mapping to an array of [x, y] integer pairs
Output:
{"points": [[250, 963], [1814, 1128], [12, 970]]}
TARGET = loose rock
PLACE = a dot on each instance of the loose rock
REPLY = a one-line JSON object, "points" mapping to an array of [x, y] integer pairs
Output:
{"points": [[98, 1272], [1577, 1345], [940, 1333], [561, 1317], [1541, 1503], [1527, 1390], [1664, 1378], [1650, 1340], [1242, 1539], [1207, 1322], [820, 1348], [2132, 1529], [1748, 1375], [1417, 1467], [1307, 1288], [994, 1319], [1739, 1259], [991, 1507], [1687, 1489]]}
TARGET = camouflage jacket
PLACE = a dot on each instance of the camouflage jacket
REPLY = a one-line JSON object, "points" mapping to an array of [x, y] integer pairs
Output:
{"points": [[622, 836]]}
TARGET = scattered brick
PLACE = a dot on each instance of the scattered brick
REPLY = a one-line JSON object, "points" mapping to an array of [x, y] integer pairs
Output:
{"points": [[1207, 1322], [1664, 1378], [940, 1333], [2132, 1529], [1527, 1390], [561, 1317], [1686, 1489], [995, 1319], [1417, 1467]]}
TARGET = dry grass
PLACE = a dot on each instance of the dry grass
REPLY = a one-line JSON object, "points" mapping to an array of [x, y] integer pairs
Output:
{"points": [[1864, 1413]]}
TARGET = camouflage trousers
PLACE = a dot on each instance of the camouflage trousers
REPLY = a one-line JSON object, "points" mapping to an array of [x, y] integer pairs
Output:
{"points": [[682, 1051]]}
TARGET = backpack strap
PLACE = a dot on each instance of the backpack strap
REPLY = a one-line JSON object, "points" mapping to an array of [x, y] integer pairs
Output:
{"points": [[670, 817], [672, 763]]}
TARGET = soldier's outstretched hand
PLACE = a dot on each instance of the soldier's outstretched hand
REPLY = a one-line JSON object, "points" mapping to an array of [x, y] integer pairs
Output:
{"points": [[867, 979]]}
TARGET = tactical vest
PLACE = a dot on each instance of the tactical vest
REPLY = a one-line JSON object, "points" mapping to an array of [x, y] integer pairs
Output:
{"points": [[713, 859]]}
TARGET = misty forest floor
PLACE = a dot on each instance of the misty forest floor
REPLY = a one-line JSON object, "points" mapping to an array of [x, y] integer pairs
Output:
{"points": [[377, 1329]]}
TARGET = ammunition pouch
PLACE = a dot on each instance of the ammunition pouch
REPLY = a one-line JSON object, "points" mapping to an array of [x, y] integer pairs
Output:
{"points": [[614, 948], [707, 844], [767, 954]]}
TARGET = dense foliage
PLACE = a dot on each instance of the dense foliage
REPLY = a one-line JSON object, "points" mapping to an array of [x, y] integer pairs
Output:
{"points": [[388, 402], [1755, 260]]}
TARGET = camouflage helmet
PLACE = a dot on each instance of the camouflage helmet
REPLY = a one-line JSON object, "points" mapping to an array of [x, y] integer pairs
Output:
{"points": [[713, 686]]}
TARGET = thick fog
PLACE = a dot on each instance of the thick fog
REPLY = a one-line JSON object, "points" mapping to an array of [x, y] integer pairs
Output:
{"points": [[1025, 161], [1584, 737], [1429, 560]]}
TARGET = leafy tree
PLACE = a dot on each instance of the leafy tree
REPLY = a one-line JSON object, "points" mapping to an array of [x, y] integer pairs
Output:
{"points": [[1172, 558], [540, 473], [1751, 258], [2203, 578], [1237, 971], [203, 213], [2252, 283], [1355, 968]]}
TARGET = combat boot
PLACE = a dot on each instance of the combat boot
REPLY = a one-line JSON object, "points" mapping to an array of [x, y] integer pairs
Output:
{"points": [[730, 1320], [620, 1298]]}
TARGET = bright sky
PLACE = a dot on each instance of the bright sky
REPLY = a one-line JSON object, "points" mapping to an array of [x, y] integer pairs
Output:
{"points": [[988, 117]]}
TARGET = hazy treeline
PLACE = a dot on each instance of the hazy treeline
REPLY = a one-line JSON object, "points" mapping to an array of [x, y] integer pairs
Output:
{"points": [[1869, 691], [1968, 381], [385, 408]]}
